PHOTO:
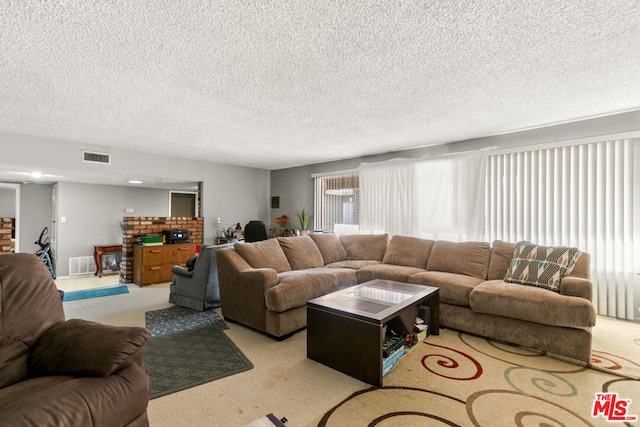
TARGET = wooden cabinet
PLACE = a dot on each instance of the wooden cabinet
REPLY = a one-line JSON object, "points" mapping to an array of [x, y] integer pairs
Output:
{"points": [[152, 264]]}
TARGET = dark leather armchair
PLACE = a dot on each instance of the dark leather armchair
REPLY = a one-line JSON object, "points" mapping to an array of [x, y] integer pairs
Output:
{"points": [[255, 231], [57, 372], [198, 288]]}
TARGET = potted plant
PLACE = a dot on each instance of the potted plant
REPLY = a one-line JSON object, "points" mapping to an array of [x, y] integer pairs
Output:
{"points": [[304, 217], [282, 221]]}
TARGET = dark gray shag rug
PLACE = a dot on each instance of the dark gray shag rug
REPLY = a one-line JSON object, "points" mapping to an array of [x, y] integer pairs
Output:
{"points": [[188, 348]]}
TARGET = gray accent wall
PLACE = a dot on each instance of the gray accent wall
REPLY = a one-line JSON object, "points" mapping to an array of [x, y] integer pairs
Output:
{"points": [[89, 215], [7, 202], [35, 214]]}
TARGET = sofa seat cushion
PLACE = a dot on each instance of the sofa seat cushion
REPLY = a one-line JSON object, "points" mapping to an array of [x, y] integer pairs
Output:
{"points": [[365, 246], [353, 264], [329, 246], [301, 252], [264, 254], [297, 287], [454, 288], [89, 401], [346, 276], [408, 251], [532, 304], [387, 271], [469, 258]]}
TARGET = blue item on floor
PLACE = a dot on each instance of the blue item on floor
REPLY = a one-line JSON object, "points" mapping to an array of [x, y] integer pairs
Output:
{"points": [[95, 293]]}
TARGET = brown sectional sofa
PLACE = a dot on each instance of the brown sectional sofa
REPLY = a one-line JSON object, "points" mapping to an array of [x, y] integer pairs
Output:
{"points": [[265, 285]]}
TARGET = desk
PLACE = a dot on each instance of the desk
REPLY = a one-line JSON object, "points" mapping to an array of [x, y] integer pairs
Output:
{"points": [[98, 251]]}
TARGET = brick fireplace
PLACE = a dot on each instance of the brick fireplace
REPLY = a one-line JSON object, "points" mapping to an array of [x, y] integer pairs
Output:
{"points": [[6, 225], [134, 227]]}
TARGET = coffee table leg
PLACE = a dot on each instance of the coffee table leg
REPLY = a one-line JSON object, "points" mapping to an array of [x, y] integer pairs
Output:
{"points": [[433, 302], [351, 346]]}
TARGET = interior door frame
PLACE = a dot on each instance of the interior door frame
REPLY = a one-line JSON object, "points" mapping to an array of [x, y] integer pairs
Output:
{"points": [[16, 188], [196, 200]]}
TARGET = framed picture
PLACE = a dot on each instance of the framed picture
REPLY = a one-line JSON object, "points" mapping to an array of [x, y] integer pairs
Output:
{"points": [[275, 202]]}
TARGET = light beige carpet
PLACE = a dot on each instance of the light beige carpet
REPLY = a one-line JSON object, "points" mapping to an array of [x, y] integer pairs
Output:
{"points": [[284, 382], [81, 283]]}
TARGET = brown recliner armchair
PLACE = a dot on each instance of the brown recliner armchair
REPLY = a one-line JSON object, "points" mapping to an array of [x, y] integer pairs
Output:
{"points": [[63, 373]]}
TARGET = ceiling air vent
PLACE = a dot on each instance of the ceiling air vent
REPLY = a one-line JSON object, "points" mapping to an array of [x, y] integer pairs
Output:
{"points": [[94, 157]]}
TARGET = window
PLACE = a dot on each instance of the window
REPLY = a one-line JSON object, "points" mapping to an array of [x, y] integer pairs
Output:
{"points": [[580, 195], [337, 202]]}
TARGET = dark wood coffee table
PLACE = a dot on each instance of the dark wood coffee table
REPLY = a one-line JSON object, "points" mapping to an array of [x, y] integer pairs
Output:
{"points": [[345, 328]]}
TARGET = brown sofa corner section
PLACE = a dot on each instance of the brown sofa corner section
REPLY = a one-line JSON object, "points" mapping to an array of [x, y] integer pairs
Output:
{"points": [[408, 251], [468, 258], [301, 252], [365, 246], [330, 247]]}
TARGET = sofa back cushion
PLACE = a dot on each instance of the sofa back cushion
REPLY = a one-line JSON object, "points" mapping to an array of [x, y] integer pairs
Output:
{"points": [[582, 267], [365, 246], [264, 254], [301, 252], [329, 246], [29, 305], [501, 255], [470, 258], [408, 251]]}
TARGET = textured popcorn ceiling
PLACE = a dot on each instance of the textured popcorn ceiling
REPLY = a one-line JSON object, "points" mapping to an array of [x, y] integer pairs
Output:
{"points": [[274, 84]]}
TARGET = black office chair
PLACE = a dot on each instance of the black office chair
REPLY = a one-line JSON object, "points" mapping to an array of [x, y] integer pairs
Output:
{"points": [[255, 231]]}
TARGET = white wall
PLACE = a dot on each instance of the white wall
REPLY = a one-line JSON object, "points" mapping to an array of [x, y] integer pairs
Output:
{"points": [[7, 202], [233, 193]]}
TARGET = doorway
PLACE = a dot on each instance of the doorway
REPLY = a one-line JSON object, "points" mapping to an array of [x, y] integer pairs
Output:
{"points": [[11, 209], [183, 204]]}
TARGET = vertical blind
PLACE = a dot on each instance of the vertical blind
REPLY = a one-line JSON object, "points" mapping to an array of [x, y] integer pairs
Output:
{"points": [[336, 205], [580, 196]]}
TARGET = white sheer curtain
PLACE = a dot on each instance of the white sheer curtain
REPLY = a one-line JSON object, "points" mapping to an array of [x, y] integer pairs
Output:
{"points": [[582, 196], [388, 197], [450, 202], [439, 198]]}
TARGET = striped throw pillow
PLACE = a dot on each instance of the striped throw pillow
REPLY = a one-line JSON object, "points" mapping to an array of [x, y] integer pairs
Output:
{"points": [[541, 266]]}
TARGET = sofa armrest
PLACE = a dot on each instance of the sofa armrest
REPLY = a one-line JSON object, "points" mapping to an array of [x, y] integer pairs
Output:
{"points": [[81, 347], [264, 278], [576, 287], [242, 289], [233, 270]]}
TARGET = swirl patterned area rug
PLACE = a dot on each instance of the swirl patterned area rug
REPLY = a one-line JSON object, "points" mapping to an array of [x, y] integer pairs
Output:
{"points": [[458, 379], [188, 348]]}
